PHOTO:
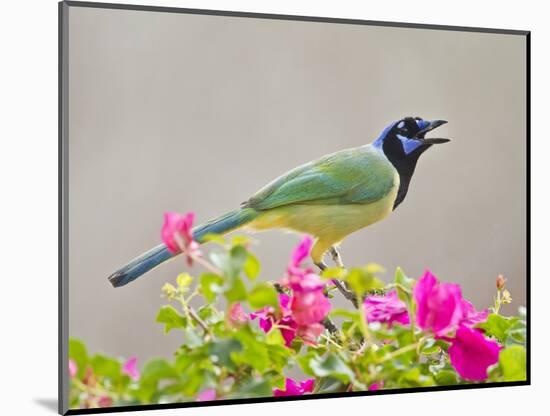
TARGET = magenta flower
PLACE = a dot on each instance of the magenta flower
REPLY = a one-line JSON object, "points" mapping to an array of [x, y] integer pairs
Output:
{"points": [[236, 316], [310, 333], [288, 328], [293, 388], [439, 305], [471, 316], [130, 368], [268, 317], [299, 314], [300, 253], [104, 401], [177, 234], [309, 307], [386, 309], [73, 368], [376, 386], [471, 353], [207, 395]]}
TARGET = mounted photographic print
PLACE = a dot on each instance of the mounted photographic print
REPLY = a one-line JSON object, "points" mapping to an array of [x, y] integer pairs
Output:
{"points": [[258, 208]]}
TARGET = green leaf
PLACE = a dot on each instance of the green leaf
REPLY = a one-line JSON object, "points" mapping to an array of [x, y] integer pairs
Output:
{"points": [[230, 263], [498, 326], [263, 295], [404, 286], [254, 352], [254, 388], [78, 353], [213, 238], [171, 318], [333, 366], [237, 291], [334, 273], [363, 280], [211, 285], [274, 337], [252, 266], [414, 378], [240, 240], [304, 362], [344, 313], [278, 356], [446, 378], [220, 352], [192, 339], [209, 314], [157, 369], [106, 367], [513, 361]]}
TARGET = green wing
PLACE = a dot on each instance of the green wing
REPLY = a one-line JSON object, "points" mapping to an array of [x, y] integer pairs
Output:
{"points": [[352, 176]]}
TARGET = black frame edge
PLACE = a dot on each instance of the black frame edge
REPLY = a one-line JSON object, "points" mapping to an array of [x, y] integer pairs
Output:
{"points": [[318, 19], [62, 329]]}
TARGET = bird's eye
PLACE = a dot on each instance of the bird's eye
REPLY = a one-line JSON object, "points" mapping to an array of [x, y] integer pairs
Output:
{"points": [[402, 128]]}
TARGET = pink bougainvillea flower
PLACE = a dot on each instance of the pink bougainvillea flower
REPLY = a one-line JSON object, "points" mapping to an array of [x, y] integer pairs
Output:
{"points": [[73, 368], [177, 234], [309, 307], [268, 317], [471, 316], [310, 333], [300, 253], [471, 353], [130, 368], [104, 401], [293, 388], [288, 328], [439, 305], [376, 386], [301, 313], [236, 315], [207, 395], [386, 309]]}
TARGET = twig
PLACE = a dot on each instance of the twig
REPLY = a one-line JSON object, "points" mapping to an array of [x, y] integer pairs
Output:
{"points": [[330, 326], [198, 320], [348, 294]]}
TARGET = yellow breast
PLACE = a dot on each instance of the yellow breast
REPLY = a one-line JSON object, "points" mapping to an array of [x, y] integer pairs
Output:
{"points": [[327, 222]]}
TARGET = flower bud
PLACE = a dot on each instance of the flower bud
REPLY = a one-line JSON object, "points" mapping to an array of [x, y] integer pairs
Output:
{"points": [[500, 282]]}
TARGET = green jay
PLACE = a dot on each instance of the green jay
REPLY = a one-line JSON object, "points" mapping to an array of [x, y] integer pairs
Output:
{"points": [[328, 198]]}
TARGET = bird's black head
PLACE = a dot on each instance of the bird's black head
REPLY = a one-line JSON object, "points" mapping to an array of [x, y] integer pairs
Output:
{"points": [[403, 142], [406, 138]]}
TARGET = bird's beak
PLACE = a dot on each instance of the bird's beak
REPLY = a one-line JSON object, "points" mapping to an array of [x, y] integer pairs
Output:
{"points": [[433, 125]]}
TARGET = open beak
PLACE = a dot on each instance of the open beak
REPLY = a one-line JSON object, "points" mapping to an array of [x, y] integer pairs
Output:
{"points": [[431, 140]]}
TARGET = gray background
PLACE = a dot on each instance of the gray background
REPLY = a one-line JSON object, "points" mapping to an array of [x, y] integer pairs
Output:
{"points": [[181, 112]]}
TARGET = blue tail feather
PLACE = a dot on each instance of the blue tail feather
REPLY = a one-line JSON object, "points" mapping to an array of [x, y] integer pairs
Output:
{"points": [[152, 258]]}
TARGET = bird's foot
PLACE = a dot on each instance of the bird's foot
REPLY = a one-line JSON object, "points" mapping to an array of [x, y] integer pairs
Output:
{"points": [[336, 257], [342, 286]]}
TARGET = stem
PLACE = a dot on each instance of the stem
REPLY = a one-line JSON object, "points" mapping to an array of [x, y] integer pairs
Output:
{"points": [[365, 326], [496, 308], [330, 326], [194, 257], [399, 352], [198, 320], [348, 294]]}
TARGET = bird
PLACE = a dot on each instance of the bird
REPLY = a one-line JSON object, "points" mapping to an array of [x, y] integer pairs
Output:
{"points": [[328, 198]]}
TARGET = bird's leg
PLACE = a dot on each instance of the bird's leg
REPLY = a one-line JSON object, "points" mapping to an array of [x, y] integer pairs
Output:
{"points": [[336, 257], [327, 322], [342, 287], [321, 265]]}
